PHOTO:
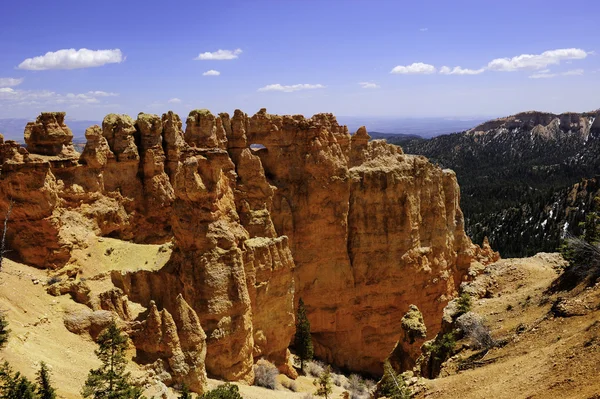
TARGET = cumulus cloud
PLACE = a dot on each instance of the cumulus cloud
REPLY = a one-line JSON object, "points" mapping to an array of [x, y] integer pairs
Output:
{"points": [[174, 100], [536, 61], [369, 85], [291, 88], [460, 71], [10, 82], [219, 55], [211, 72], [545, 74], [72, 59], [415, 68]]}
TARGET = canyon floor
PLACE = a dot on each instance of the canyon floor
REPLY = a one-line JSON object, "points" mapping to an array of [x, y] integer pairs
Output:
{"points": [[545, 355]]}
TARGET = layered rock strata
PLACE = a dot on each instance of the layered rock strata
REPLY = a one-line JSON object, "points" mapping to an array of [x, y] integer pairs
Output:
{"points": [[356, 228]]}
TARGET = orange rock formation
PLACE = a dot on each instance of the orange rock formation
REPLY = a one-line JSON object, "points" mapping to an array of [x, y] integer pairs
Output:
{"points": [[355, 227]]}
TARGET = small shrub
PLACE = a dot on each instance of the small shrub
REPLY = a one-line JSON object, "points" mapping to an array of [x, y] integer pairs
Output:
{"points": [[290, 384], [323, 384], [338, 379], [4, 331], [509, 307], [474, 328], [53, 280], [355, 385], [370, 385], [224, 391], [442, 348], [314, 368], [464, 304], [265, 374]]}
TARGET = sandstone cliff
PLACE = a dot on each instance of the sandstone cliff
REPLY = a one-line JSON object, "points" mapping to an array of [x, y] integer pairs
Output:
{"points": [[355, 227]]}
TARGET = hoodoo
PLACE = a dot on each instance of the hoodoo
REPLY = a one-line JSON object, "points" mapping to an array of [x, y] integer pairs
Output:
{"points": [[356, 228]]}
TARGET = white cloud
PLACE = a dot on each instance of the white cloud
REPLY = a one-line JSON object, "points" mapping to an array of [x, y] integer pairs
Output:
{"points": [[174, 101], [219, 55], [572, 72], [536, 61], [211, 72], [415, 68], [291, 88], [369, 85], [72, 59], [545, 74], [424, 29], [10, 96], [99, 93], [10, 82], [460, 71]]}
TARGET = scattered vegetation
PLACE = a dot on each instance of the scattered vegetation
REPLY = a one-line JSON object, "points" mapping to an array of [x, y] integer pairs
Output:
{"points": [[582, 253], [265, 374], [464, 304], [315, 368], [4, 331], [439, 351], [355, 386], [302, 338], [224, 391], [110, 380], [392, 385], [324, 384], [185, 392]]}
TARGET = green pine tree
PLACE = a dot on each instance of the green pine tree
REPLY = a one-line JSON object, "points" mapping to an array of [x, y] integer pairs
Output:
{"points": [[110, 381], [45, 389], [303, 339], [15, 386], [324, 384], [3, 331], [392, 385], [185, 392]]}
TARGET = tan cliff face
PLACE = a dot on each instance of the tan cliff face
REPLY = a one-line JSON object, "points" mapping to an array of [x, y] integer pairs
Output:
{"points": [[357, 229]]}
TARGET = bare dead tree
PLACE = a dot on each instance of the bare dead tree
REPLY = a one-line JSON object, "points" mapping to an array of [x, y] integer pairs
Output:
{"points": [[3, 249]]}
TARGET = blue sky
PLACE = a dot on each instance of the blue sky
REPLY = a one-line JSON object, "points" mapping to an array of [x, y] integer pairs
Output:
{"points": [[300, 57]]}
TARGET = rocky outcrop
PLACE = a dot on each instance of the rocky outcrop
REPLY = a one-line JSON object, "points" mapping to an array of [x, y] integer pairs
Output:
{"points": [[355, 228], [173, 344], [49, 135], [408, 348], [269, 267]]}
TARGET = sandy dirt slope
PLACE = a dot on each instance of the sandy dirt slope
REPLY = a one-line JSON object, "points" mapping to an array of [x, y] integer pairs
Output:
{"points": [[38, 332], [553, 357]]}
